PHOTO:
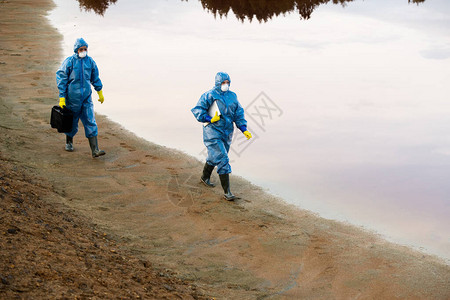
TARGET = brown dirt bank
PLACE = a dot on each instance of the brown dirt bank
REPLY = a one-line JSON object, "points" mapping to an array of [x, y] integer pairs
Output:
{"points": [[149, 198], [48, 251]]}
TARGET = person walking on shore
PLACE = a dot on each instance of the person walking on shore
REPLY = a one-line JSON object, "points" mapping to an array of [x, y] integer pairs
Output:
{"points": [[218, 132], [74, 79]]}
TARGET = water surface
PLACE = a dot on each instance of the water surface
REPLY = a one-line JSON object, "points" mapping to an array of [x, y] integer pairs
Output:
{"points": [[349, 104]]}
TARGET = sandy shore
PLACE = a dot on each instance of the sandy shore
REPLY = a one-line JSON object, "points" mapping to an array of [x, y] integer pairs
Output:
{"points": [[149, 197]]}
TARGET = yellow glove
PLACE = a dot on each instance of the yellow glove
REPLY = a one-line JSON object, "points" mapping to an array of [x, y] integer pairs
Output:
{"points": [[247, 134], [215, 118], [100, 96], [62, 102]]}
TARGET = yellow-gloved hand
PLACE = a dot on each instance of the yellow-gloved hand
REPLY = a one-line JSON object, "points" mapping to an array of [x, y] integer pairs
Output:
{"points": [[100, 96], [215, 118], [62, 102], [247, 134]]}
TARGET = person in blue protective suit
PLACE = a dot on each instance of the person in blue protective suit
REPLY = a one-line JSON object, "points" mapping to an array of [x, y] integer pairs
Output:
{"points": [[218, 132], [74, 79]]}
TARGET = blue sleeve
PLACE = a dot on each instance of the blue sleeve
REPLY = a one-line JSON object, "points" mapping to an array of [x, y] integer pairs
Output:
{"points": [[239, 117], [200, 111], [243, 128], [95, 79], [62, 77]]}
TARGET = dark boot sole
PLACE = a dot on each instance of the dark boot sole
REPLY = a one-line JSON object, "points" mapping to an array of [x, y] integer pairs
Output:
{"points": [[211, 185], [97, 155], [230, 198]]}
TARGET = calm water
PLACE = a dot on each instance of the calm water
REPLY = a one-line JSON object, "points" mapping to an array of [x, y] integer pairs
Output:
{"points": [[350, 108]]}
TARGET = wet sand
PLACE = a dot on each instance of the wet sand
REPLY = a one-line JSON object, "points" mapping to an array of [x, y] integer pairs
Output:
{"points": [[149, 197]]}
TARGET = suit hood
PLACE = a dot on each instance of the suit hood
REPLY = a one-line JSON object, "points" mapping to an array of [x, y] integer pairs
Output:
{"points": [[221, 77], [80, 42]]}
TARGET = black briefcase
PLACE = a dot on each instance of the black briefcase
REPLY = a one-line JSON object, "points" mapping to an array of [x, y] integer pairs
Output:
{"points": [[61, 119]]}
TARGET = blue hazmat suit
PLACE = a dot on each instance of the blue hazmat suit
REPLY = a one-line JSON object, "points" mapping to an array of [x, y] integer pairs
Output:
{"points": [[74, 79], [217, 136]]}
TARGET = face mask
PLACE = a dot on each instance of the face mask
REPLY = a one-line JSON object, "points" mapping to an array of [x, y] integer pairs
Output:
{"points": [[82, 54], [224, 87]]}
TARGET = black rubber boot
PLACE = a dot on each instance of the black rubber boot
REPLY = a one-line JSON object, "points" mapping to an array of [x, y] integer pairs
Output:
{"points": [[94, 147], [69, 143], [225, 181], [206, 177]]}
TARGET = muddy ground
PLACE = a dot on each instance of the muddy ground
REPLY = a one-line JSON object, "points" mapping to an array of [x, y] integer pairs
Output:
{"points": [[144, 224]]}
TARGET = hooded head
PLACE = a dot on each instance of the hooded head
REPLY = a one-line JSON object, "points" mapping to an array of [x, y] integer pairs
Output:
{"points": [[221, 77], [80, 42]]}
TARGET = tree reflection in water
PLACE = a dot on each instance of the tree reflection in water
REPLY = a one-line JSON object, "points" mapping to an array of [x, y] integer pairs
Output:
{"points": [[98, 6], [262, 10]]}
